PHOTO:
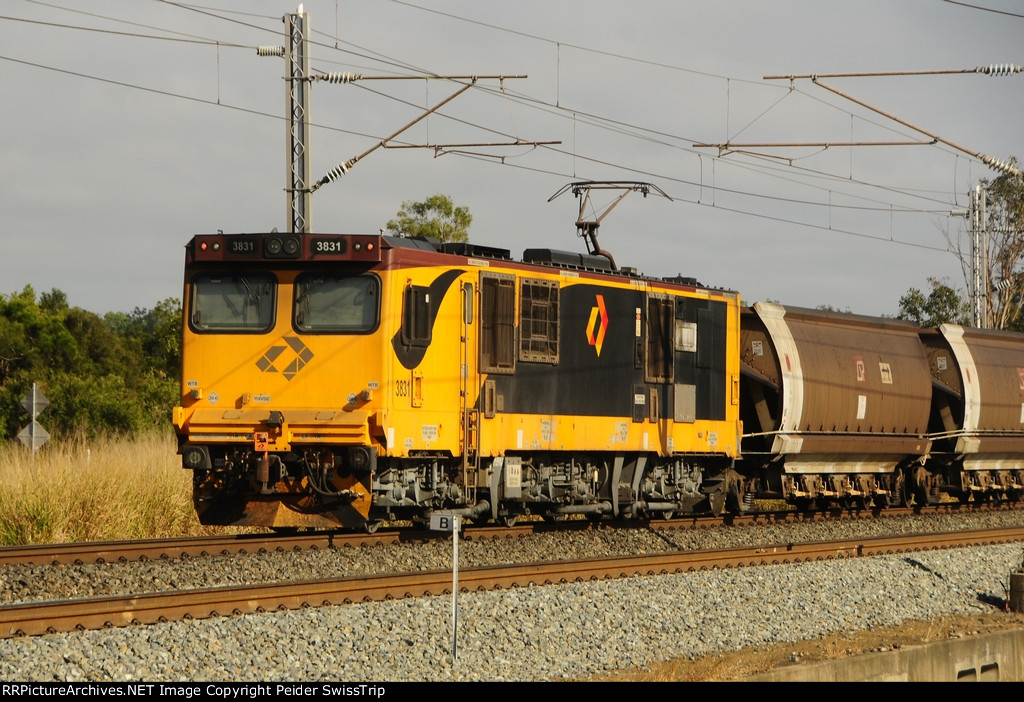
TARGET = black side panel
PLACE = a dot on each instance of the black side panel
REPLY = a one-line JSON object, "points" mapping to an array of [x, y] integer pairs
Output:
{"points": [[599, 374], [408, 355], [596, 372], [705, 368]]}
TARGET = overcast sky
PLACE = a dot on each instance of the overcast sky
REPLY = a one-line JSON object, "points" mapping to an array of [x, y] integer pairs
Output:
{"points": [[131, 125]]}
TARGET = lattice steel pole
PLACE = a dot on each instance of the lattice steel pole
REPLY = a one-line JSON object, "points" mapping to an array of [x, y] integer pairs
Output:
{"points": [[300, 205], [979, 258]]}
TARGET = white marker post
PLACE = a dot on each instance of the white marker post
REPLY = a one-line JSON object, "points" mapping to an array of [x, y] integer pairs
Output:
{"points": [[452, 523], [34, 435]]}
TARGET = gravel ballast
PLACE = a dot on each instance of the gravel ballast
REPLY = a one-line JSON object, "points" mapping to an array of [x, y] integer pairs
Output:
{"points": [[534, 633]]}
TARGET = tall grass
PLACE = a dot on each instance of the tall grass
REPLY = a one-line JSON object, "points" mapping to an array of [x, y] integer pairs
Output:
{"points": [[106, 489]]}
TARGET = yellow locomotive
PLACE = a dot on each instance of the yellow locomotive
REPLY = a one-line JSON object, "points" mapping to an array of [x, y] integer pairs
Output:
{"points": [[342, 380]]}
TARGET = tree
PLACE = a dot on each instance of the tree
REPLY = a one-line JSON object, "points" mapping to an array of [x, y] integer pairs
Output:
{"points": [[115, 375], [830, 308], [1006, 249], [153, 335], [436, 217], [942, 305], [1003, 248]]}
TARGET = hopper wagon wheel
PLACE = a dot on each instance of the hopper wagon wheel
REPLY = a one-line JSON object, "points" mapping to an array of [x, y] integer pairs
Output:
{"points": [[920, 497], [741, 495], [901, 494], [854, 503], [804, 504]]}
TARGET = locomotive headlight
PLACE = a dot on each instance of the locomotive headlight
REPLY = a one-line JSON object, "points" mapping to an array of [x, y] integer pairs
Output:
{"points": [[282, 246], [195, 458]]}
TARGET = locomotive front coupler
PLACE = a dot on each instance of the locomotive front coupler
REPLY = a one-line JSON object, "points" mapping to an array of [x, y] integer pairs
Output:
{"points": [[263, 471]]}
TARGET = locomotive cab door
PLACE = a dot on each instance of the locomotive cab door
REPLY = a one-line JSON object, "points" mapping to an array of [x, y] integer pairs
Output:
{"points": [[469, 382], [684, 357]]}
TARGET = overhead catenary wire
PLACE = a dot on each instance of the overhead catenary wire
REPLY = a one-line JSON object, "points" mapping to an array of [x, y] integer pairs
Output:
{"points": [[342, 169], [598, 119]]}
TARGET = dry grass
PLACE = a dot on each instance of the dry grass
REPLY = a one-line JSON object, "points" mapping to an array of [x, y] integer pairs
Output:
{"points": [[96, 490]]}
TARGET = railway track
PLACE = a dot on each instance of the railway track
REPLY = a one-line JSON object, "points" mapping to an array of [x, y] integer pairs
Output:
{"points": [[241, 544], [40, 618]]}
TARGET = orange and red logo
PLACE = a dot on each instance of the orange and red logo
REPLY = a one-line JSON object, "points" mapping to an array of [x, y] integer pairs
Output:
{"points": [[596, 329]]}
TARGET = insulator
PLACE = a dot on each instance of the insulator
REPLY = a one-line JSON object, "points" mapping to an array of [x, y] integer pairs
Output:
{"points": [[339, 77], [1000, 69], [999, 165], [270, 51], [336, 172]]}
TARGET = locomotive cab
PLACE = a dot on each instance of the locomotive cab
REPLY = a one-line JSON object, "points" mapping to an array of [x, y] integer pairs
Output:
{"points": [[275, 433]]}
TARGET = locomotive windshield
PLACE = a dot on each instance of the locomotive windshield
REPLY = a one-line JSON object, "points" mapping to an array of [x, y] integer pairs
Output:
{"points": [[233, 303], [336, 303]]}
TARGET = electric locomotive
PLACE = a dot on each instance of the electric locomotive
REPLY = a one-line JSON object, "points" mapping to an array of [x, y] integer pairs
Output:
{"points": [[342, 380]]}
